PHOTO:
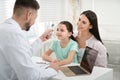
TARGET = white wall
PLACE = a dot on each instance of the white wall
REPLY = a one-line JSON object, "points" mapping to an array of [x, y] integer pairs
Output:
{"points": [[108, 11], [108, 16]]}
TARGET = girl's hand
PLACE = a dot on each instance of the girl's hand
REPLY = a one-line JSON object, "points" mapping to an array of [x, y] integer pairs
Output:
{"points": [[55, 60], [54, 66]]}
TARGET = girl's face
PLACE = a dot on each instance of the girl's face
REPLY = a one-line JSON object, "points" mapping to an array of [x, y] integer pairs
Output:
{"points": [[83, 24], [62, 32]]}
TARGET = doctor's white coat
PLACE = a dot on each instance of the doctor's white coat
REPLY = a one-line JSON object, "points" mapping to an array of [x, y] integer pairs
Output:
{"points": [[16, 53]]}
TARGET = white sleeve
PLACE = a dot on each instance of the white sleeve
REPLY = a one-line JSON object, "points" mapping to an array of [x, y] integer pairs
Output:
{"points": [[47, 73], [18, 57], [36, 46]]}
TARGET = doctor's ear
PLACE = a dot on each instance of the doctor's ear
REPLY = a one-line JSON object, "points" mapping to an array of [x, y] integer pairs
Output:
{"points": [[28, 15]]}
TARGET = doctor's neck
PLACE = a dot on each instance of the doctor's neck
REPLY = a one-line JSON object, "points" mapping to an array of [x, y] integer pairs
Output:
{"points": [[19, 20]]}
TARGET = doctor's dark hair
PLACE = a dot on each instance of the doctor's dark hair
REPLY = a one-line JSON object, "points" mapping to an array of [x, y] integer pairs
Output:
{"points": [[94, 22], [69, 27], [19, 4]]}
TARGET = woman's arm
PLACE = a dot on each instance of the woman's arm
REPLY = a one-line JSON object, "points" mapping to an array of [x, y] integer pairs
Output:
{"points": [[101, 59], [81, 42], [68, 60]]}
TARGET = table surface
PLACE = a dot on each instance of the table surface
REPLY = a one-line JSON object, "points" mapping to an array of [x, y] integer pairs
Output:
{"points": [[98, 73]]}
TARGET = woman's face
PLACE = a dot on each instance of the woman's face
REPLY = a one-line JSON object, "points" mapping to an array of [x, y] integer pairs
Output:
{"points": [[83, 24]]}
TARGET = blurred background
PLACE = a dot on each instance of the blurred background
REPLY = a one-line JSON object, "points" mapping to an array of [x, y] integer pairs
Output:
{"points": [[51, 12]]}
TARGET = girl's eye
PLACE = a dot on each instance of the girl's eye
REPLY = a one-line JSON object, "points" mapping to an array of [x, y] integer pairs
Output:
{"points": [[84, 22], [62, 30]]}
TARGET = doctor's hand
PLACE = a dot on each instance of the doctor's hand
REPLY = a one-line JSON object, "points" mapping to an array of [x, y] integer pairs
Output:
{"points": [[80, 39], [54, 66], [46, 35]]}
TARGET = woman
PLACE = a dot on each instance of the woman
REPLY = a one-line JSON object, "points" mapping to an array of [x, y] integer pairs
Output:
{"points": [[88, 35]]}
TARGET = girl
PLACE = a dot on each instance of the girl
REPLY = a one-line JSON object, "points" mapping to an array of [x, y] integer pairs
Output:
{"points": [[65, 47]]}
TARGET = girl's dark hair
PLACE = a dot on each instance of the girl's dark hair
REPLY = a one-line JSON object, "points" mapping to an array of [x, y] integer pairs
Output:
{"points": [[69, 27], [26, 4], [93, 21]]}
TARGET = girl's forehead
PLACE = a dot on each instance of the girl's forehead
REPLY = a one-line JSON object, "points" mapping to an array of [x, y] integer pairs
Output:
{"points": [[61, 26]]}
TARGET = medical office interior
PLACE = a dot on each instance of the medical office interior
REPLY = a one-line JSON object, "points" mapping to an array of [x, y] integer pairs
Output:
{"points": [[51, 12]]}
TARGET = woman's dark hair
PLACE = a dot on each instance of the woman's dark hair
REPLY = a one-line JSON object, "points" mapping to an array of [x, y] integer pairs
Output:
{"points": [[26, 4], [69, 27], [93, 21]]}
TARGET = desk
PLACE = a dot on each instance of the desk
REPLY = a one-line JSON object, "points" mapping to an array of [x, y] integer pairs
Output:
{"points": [[98, 73]]}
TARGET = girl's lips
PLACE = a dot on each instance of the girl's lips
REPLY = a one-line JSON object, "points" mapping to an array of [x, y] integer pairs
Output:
{"points": [[59, 35]]}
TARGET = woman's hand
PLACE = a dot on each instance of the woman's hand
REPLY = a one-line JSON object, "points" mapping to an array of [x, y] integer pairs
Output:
{"points": [[80, 39]]}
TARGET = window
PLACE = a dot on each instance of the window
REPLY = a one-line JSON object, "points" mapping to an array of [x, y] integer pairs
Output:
{"points": [[6, 9], [51, 10]]}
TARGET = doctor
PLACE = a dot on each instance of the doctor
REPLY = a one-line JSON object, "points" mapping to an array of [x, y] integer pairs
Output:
{"points": [[15, 50]]}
